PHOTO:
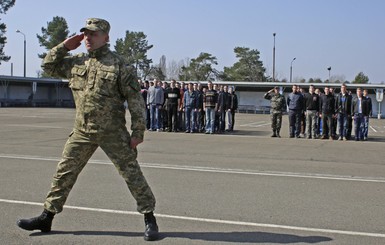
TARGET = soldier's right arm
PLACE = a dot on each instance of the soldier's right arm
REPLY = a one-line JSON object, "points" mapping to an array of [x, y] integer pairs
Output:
{"points": [[267, 96], [56, 63]]}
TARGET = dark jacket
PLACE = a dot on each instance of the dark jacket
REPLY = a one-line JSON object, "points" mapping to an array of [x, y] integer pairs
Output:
{"points": [[365, 103], [199, 100], [295, 101], [172, 96], [369, 104], [190, 99], [344, 104], [233, 101], [327, 104], [222, 104], [312, 101]]}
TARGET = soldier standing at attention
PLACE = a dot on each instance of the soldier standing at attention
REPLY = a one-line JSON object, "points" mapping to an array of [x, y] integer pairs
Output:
{"points": [[100, 83], [278, 105]]}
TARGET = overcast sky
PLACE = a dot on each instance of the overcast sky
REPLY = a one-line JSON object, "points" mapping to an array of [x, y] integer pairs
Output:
{"points": [[347, 35]]}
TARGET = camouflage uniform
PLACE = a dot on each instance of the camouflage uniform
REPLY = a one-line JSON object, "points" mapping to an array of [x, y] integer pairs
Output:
{"points": [[278, 104], [100, 83]]}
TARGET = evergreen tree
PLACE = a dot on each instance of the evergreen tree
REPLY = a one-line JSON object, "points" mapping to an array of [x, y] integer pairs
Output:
{"points": [[247, 68], [361, 78], [4, 6], [134, 49], [55, 33], [200, 68]]}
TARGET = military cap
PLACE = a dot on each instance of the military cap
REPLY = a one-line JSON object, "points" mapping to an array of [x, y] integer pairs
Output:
{"points": [[95, 24]]}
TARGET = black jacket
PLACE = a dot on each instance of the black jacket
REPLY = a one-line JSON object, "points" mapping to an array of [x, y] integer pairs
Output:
{"points": [[344, 104], [312, 101], [232, 101], [327, 104], [365, 103]]}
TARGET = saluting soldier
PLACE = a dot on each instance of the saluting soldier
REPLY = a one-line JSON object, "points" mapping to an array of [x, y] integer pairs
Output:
{"points": [[277, 106], [101, 83]]}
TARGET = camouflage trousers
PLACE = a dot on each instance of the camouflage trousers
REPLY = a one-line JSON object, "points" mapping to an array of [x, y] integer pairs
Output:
{"points": [[79, 149], [276, 120]]}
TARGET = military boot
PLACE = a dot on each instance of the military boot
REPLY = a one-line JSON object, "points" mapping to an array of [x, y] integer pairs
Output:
{"points": [[274, 134], [278, 135], [42, 222], [151, 231]]}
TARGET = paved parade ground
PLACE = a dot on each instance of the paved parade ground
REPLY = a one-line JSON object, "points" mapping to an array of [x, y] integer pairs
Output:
{"points": [[242, 187]]}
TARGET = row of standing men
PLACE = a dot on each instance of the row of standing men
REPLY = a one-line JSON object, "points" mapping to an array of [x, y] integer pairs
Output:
{"points": [[318, 115], [190, 108]]}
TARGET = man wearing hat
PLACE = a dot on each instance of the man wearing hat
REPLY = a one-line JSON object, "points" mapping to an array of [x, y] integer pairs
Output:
{"points": [[277, 106], [100, 82]]}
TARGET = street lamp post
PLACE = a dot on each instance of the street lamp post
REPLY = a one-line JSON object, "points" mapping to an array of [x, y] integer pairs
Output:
{"points": [[25, 51], [274, 57], [291, 69], [329, 68]]}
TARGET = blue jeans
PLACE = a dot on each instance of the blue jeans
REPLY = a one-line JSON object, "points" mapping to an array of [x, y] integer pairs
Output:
{"points": [[366, 126], [359, 126], [155, 117], [190, 119], [343, 124], [210, 120]]}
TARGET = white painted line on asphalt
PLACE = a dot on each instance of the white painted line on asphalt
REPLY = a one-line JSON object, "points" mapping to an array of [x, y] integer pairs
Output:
{"points": [[264, 173], [217, 221], [31, 126], [255, 124], [373, 129], [218, 170]]}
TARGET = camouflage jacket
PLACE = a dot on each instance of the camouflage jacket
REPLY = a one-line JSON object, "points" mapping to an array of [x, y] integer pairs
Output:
{"points": [[100, 83], [277, 102]]}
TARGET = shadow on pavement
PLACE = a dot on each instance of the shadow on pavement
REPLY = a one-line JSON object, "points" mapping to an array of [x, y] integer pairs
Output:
{"points": [[234, 237]]}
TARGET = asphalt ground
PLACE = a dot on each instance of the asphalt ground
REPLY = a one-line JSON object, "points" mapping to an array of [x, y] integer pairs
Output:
{"points": [[236, 188]]}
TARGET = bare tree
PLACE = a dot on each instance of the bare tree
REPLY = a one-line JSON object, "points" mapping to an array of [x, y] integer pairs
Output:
{"points": [[337, 78], [162, 65]]}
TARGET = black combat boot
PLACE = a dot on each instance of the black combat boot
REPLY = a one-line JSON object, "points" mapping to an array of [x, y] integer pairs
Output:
{"points": [[274, 134], [42, 222], [151, 231]]}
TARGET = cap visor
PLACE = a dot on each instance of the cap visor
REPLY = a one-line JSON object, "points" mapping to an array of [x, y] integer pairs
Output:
{"points": [[89, 28]]}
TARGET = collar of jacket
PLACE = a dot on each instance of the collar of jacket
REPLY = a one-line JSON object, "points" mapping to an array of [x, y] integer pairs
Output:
{"points": [[100, 52]]}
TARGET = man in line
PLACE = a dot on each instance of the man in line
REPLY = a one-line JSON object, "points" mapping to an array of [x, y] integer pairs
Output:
{"points": [[344, 110], [312, 107], [173, 103], [200, 112], [366, 118], [155, 99], [210, 100], [277, 106], [100, 83], [222, 106], [190, 108], [360, 108], [295, 104], [327, 110], [233, 106]]}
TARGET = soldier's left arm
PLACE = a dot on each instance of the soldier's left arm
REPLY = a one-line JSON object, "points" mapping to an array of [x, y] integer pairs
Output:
{"points": [[130, 89]]}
